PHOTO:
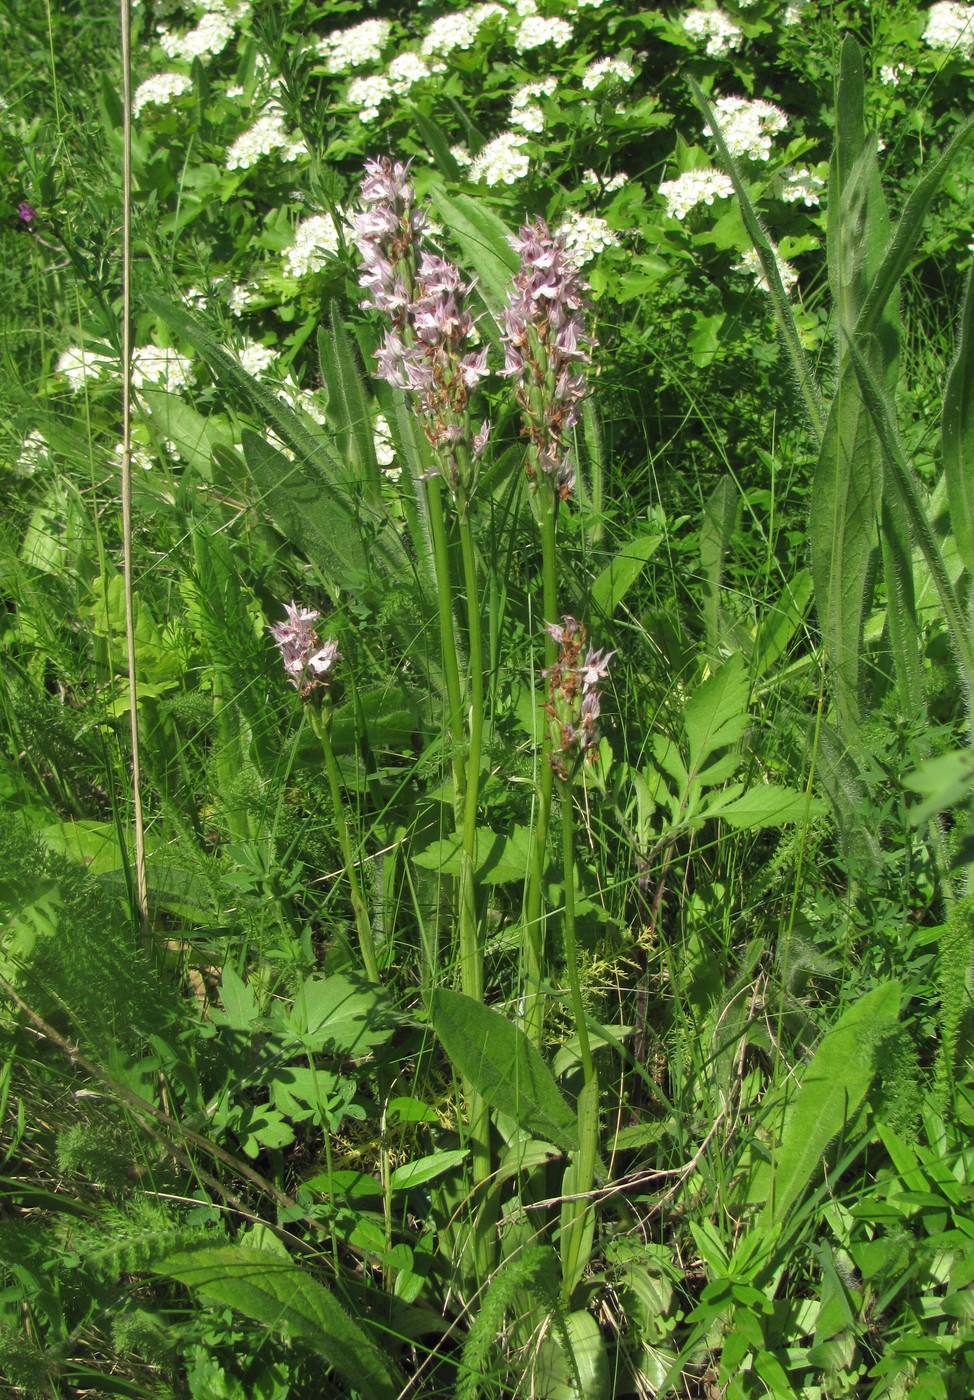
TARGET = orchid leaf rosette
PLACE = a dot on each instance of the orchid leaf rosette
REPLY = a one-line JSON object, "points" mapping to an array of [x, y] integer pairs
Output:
{"points": [[428, 350], [545, 345]]}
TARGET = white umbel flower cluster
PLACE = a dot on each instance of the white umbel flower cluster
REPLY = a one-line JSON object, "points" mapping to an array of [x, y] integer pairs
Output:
{"points": [[368, 95], [210, 37], [460, 30], [950, 27], [720, 32], [267, 134], [525, 112], [159, 90], [315, 240], [502, 161], [890, 75], [356, 47], [240, 297], [255, 358], [536, 31], [751, 263], [692, 188], [586, 235], [78, 366], [607, 72], [793, 13], [747, 126], [165, 367], [802, 187], [406, 70]]}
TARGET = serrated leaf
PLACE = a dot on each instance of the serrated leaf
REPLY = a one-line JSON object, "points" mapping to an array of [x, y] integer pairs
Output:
{"points": [[765, 805], [240, 1010], [500, 858], [283, 1297], [504, 1066], [716, 713], [341, 1017]]}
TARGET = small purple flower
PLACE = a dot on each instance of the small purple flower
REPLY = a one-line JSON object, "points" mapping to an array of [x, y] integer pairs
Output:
{"points": [[26, 211], [543, 343], [573, 705], [307, 662], [426, 350]]}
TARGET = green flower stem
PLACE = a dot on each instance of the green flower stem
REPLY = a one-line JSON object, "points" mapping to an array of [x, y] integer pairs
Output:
{"points": [[580, 1175], [534, 930], [448, 641], [363, 924], [471, 950]]}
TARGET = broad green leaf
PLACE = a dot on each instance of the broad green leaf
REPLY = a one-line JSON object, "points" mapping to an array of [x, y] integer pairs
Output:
{"points": [[281, 1296], [944, 782], [412, 1174], [482, 238], [500, 858], [828, 1097], [616, 579], [240, 1009], [902, 627], [585, 1374], [765, 805], [339, 1016], [194, 435], [780, 621], [716, 713], [957, 433], [504, 1066]]}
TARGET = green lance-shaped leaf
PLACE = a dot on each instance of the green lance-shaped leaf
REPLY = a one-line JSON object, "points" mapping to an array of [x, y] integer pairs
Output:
{"points": [[831, 1090], [618, 576], [957, 433], [716, 713], [272, 1290], [483, 240], [847, 484], [349, 411], [902, 628], [504, 1066], [719, 521]]}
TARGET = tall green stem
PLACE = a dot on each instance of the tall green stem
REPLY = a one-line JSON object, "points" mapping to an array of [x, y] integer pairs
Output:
{"points": [[577, 1215], [534, 929], [363, 924], [453, 733]]}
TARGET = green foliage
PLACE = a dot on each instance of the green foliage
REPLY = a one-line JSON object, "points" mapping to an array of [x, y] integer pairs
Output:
{"points": [[735, 1156]]}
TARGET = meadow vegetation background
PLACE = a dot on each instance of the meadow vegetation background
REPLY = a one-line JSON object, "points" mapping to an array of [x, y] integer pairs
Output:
{"points": [[554, 980]]}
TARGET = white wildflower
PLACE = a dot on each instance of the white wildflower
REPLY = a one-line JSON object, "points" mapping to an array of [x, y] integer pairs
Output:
{"points": [[751, 263], [240, 296], [523, 8], [748, 126], [355, 47], [139, 455], [159, 91], [34, 453], [210, 37], [502, 161], [78, 365], [607, 71], [793, 13], [235, 91], [405, 71], [802, 187], [165, 367], [950, 27], [586, 235], [721, 34], [195, 297], [607, 183], [385, 452], [890, 75], [462, 156], [314, 240], [267, 134], [525, 112], [460, 30], [255, 358], [535, 31], [368, 94], [692, 188]]}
